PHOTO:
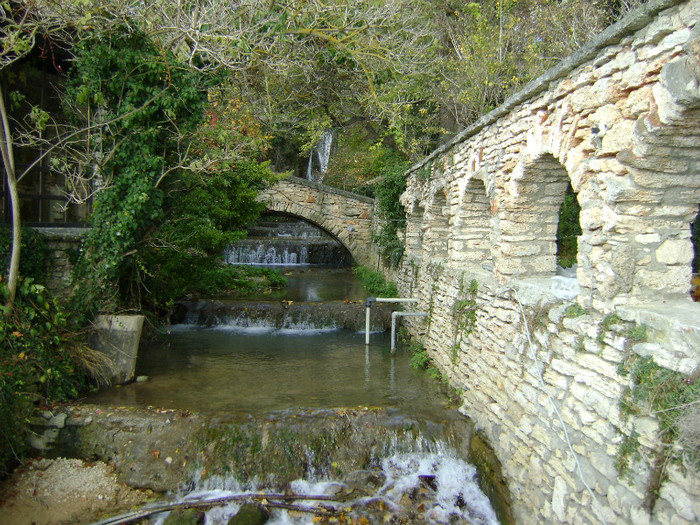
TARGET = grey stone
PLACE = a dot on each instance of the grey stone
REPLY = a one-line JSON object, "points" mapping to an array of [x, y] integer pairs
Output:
{"points": [[118, 337]]}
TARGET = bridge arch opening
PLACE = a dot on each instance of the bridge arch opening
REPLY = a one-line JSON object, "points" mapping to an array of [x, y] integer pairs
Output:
{"points": [[284, 239]]}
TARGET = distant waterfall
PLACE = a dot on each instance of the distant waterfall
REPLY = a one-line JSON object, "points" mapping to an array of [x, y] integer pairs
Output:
{"points": [[322, 151], [287, 243]]}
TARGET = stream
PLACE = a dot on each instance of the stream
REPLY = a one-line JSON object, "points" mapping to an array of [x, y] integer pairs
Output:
{"points": [[269, 360]]}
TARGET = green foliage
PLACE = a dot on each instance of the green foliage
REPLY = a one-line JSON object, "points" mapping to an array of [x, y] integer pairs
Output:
{"points": [[420, 359], [34, 252], [657, 391], [637, 334], [202, 216], [155, 100], [569, 229], [606, 324], [160, 225], [574, 310], [391, 212], [629, 449], [466, 310], [374, 282], [35, 364]]}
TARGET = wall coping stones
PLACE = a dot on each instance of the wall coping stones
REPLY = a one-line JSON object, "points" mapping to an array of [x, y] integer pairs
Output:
{"points": [[329, 189], [61, 233]]}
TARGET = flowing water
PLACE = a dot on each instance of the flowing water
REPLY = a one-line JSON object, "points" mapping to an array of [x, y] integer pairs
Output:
{"points": [[249, 365], [281, 241]]}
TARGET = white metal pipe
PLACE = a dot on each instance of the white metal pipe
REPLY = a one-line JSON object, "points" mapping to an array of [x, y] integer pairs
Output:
{"points": [[367, 315], [394, 316], [368, 307]]}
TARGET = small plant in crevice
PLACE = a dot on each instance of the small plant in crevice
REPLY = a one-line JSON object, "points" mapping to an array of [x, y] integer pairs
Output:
{"points": [[574, 310], [580, 344], [606, 324], [628, 451], [637, 334], [538, 317], [670, 397], [466, 312]]}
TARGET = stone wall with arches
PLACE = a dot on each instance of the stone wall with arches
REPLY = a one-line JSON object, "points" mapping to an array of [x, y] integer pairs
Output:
{"points": [[544, 367]]}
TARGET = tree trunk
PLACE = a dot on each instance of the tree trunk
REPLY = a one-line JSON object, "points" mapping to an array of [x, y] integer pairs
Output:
{"points": [[9, 162]]}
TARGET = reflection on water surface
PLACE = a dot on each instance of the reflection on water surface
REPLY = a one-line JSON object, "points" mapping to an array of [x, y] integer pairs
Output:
{"points": [[227, 370]]}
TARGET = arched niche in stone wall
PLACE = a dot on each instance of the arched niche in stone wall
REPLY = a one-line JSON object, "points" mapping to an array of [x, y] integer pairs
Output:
{"points": [[436, 226], [470, 231], [659, 202], [414, 232], [527, 209]]}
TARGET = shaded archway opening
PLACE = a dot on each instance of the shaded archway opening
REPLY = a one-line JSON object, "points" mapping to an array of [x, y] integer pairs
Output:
{"points": [[525, 242], [695, 238], [282, 239], [568, 230], [436, 227], [470, 239]]}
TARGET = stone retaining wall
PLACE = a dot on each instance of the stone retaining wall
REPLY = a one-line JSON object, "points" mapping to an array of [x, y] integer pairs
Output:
{"points": [[542, 362], [61, 241]]}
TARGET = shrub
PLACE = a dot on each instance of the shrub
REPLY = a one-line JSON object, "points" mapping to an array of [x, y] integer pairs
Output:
{"points": [[375, 283], [36, 364], [35, 253]]}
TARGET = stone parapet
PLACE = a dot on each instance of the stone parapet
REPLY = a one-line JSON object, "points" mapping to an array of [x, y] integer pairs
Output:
{"points": [[543, 365]]}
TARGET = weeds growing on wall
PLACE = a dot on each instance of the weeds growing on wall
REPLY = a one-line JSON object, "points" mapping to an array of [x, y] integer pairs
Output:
{"points": [[374, 283], [466, 311], [663, 393]]}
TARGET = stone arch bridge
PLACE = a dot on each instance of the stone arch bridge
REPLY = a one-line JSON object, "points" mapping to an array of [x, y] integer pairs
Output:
{"points": [[544, 374], [344, 215]]}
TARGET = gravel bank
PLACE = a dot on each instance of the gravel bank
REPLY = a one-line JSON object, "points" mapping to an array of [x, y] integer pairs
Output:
{"points": [[57, 491]]}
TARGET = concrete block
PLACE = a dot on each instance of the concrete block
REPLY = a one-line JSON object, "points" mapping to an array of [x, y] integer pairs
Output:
{"points": [[118, 337]]}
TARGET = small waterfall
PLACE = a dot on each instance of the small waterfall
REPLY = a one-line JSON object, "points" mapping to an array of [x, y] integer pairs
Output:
{"points": [[322, 150], [409, 479], [287, 243]]}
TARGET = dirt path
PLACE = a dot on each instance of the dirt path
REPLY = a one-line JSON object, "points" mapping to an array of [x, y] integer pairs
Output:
{"points": [[48, 491]]}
